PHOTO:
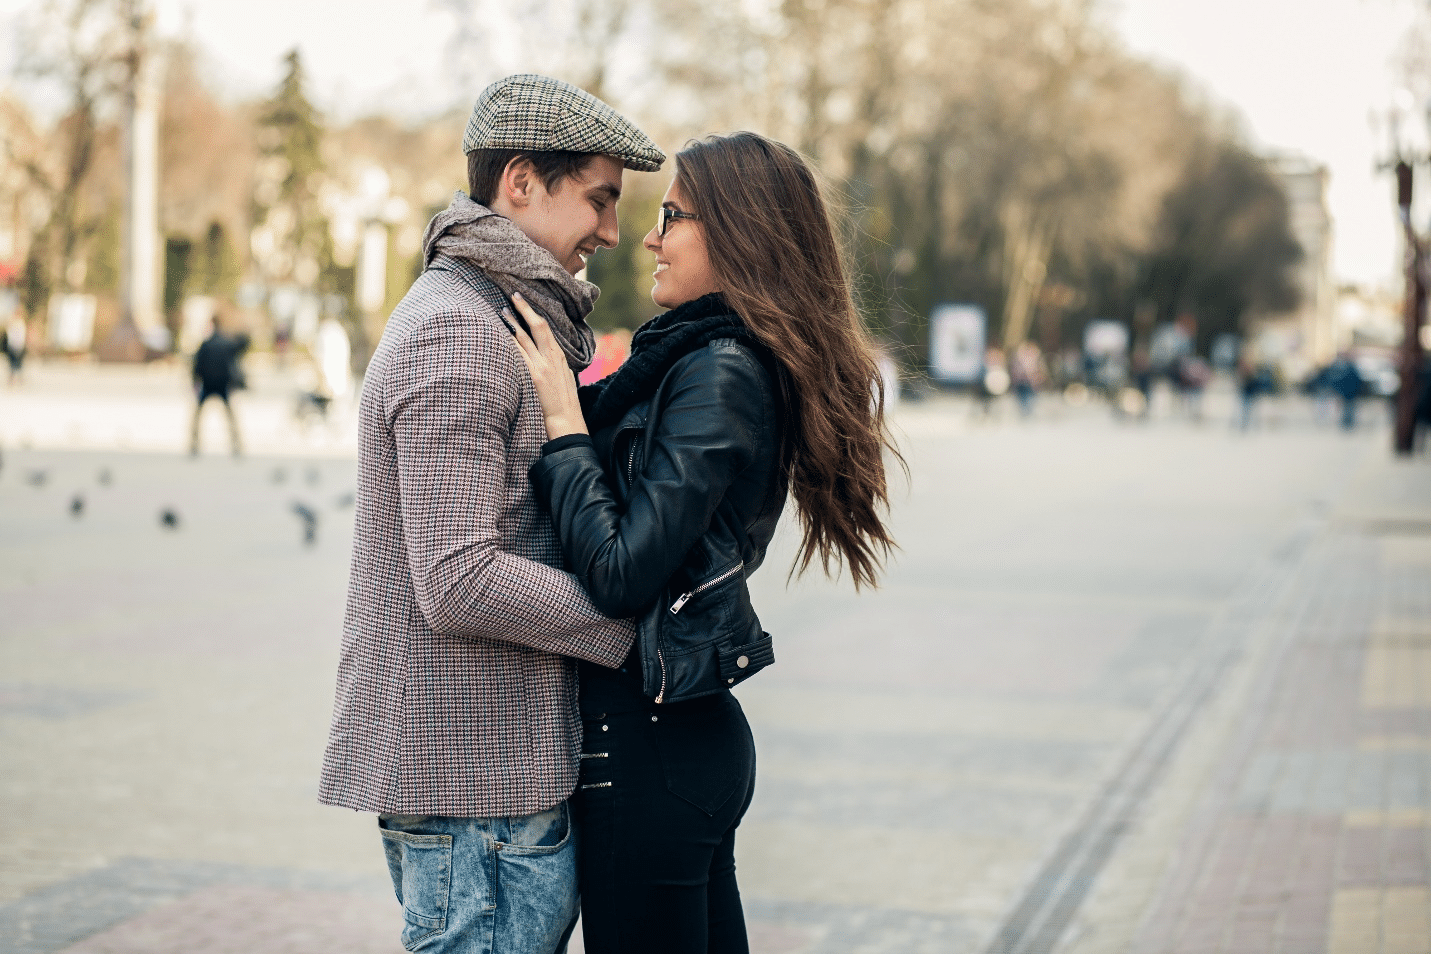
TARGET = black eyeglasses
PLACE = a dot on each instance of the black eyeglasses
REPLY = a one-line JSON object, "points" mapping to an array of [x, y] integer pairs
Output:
{"points": [[664, 216]]}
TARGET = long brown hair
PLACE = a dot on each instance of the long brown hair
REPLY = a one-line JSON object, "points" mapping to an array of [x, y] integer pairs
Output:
{"points": [[774, 253]]}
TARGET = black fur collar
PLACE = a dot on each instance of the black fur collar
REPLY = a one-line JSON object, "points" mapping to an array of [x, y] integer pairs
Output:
{"points": [[655, 348]]}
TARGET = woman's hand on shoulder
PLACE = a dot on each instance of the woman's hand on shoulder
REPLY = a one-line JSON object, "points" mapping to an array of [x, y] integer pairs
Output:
{"points": [[554, 381]]}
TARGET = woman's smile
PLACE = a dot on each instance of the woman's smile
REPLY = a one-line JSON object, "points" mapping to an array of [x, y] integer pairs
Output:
{"points": [[684, 247]]}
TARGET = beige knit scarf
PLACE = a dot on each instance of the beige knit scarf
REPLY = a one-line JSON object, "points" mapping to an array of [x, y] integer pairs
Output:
{"points": [[492, 242]]}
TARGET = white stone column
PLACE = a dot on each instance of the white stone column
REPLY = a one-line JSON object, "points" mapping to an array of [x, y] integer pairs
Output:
{"points": [[141, 279], [372, 277]]}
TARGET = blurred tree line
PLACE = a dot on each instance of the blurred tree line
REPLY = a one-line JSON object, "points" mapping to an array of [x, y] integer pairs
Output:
{"points": [[1008, 153], [261, 193]]}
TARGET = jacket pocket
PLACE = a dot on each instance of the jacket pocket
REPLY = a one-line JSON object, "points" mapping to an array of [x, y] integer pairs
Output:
{"points": [[421, 869], [741, 662], [703, 589]]}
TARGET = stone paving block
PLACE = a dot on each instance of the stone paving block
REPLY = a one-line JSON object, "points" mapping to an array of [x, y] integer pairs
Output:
{"points": [[1356, 922], [1406, 920], [1361, 857], [243, 920], [1405, 854], [109, 895], [767, 938]]}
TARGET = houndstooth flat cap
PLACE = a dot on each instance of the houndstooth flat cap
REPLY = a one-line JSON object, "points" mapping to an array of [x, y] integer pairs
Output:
{"points": [[541, 114]]}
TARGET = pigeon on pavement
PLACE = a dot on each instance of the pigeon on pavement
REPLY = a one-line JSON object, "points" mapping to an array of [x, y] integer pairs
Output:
{"points": [[309, 518]]}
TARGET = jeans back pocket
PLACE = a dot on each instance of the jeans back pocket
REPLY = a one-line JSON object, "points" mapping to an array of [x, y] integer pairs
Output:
{"points": [[706, 754]]}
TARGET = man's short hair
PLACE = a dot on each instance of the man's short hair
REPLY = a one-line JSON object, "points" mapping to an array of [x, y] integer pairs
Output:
{"points": [[485, 168]]}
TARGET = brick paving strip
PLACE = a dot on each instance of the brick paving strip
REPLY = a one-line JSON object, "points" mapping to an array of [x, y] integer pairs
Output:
{"points": [[1041, 916], [1301, 822], [140, 906]]}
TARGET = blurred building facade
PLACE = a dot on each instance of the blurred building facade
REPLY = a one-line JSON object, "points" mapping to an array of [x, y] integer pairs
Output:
{"points": [[1368, 317], [1314, 322], [22, 209]]}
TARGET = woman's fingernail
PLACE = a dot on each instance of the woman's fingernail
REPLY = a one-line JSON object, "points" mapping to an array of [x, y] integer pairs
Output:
{"points": [[518, 296]]}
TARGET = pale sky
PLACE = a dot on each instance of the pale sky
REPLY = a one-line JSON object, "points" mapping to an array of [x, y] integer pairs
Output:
{"points": [[1303, 74]]}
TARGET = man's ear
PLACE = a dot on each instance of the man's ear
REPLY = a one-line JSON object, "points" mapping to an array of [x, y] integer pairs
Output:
{"points": [[517, 181]]}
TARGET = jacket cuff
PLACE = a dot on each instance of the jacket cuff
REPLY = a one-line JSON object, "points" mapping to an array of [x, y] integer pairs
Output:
{"points": [[558, 456], [565, 441]]}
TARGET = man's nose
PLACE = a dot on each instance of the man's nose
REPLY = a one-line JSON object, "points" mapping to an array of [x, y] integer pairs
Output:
{"points": [[608, 231]]}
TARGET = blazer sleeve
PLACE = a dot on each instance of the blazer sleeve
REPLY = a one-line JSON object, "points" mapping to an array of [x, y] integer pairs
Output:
{"points": [[711, 423], [452, 395]]}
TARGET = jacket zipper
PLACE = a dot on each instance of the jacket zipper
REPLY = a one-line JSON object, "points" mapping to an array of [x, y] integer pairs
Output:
{"points": [[631, 465], [689, 595], [661, 696]]}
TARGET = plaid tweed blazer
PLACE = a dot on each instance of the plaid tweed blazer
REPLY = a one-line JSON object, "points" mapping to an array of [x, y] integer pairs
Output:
{"points": [[457, 679]]}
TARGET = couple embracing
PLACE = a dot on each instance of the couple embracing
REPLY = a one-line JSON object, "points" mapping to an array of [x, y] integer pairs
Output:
{"points": [[547, 604]]}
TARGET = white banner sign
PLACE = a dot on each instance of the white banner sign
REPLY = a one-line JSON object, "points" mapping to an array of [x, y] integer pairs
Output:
{"points": [[956, 343]]}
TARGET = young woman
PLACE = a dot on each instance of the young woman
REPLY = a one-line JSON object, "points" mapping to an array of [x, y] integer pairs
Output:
{"points": [[665, 482]]}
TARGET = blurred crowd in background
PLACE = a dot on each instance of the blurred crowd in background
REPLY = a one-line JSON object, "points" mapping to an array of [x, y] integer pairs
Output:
{"points": [[1028, 204]]}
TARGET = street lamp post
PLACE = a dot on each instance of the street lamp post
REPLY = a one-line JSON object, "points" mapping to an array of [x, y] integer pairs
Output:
{"points": [[1412, 314], [1404, 157]]}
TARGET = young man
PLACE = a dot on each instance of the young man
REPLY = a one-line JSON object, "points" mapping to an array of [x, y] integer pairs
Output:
{"points": [[455, 717]]}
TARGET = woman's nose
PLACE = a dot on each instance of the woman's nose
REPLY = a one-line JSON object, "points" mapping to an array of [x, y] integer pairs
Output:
{"points": [[652, 241]]}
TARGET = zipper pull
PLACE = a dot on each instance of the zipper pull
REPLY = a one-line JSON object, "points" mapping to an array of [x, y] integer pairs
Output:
{"points": [[681, 600]]}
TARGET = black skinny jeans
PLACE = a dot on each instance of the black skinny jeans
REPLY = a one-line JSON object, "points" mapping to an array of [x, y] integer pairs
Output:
{"points": [[662, 790]]}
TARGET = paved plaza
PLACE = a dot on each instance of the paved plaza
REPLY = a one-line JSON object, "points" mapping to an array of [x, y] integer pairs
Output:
{"points": [[1149, 687]]}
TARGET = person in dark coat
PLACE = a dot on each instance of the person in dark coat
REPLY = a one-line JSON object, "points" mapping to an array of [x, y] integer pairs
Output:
{"points": [[665, 482], [216, 373], [1346, 382]]}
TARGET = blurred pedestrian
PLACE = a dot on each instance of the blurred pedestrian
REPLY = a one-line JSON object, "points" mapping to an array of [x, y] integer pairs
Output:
{"points": [[1345, 381], [755, 383], [1143, 375], [890, 386], [993, 380], [16, 342], [216, 374], [333, 352], [1027, 373], [1190, 377], [1249, 384], [455, 716], [1421, 416]]}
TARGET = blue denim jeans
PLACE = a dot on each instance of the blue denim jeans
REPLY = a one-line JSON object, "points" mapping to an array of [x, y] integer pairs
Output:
{"points": [[484, 885]]}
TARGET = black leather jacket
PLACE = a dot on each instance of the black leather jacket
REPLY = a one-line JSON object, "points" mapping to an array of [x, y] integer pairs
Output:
{"points": [[664, 515]]}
